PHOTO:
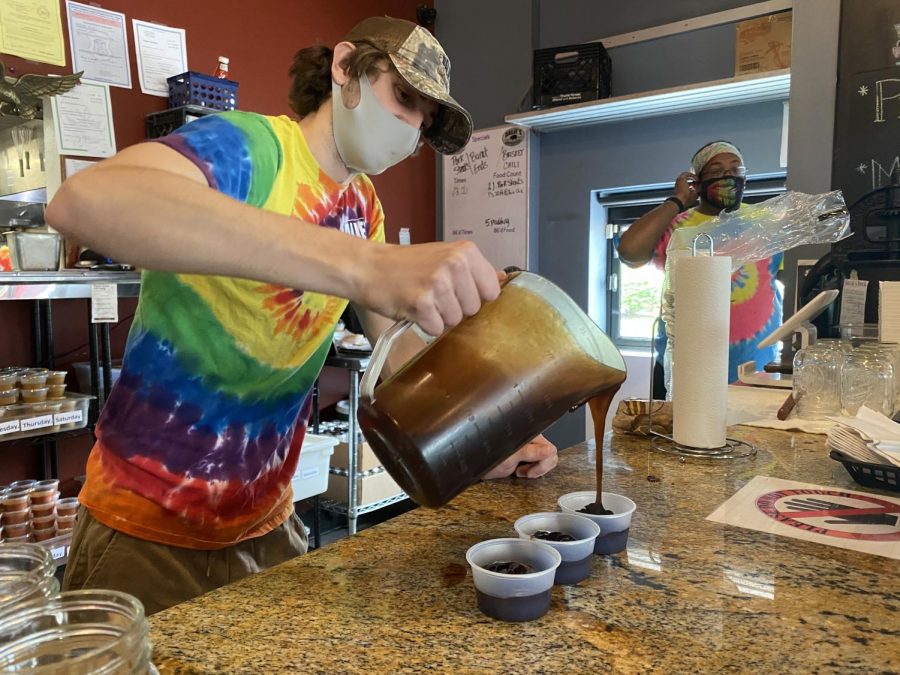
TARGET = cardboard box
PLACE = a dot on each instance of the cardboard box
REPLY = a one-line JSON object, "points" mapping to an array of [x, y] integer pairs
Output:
{"points": [[367, 458], [763, 44], [370, 488]]}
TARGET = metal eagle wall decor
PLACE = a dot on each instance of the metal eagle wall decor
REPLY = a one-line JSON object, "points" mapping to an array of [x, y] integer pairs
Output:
{"points": [[22, 97]]}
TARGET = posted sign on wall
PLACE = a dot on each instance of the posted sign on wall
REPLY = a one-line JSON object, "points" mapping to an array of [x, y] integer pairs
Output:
{"points": [[487, 195]]}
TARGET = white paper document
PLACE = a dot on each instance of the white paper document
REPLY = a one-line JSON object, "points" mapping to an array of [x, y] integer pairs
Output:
{"points": [[73, 166], [32, 29], [104, 303], [83, 122], [161, 53], [859, 521], [853, 300], [99, 44]]}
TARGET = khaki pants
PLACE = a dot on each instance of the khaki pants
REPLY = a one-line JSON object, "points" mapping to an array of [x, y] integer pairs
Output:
{"points": [[161, 576]]}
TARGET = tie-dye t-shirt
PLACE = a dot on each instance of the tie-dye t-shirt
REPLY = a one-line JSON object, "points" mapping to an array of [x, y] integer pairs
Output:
{"points": [[756, 300], [201, 435]]}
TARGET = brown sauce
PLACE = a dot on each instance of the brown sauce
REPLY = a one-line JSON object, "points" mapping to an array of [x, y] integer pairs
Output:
{"points": [[509, 567], [547, 535], [599, 406]]}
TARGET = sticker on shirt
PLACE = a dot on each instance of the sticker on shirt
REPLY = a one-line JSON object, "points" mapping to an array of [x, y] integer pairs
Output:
{"points": [[354, 226]]}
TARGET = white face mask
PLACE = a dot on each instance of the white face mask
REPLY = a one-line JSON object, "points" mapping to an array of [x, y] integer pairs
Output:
{"points": [[369, 138]]}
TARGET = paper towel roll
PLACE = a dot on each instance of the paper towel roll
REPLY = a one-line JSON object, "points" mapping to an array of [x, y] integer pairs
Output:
{"points": [[702, 287]]}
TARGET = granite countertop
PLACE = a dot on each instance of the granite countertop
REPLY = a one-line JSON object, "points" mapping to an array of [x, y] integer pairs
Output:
{"points": [[688, 595]]}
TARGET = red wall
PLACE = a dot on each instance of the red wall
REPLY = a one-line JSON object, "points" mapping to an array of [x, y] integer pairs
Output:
{"points": [[260, 39]]}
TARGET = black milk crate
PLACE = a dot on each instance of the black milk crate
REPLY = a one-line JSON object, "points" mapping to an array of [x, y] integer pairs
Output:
{"points": [[192, 88], [163, 123], [570, 74]]}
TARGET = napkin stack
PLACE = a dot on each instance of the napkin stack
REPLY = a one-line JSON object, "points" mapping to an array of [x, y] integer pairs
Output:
{"points": [[869, 437]]}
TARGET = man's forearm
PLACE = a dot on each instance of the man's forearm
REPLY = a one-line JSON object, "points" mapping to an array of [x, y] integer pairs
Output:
{"points": [[184, 226]]}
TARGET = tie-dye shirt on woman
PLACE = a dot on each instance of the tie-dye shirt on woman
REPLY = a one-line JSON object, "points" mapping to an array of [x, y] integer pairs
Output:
{"points": [[756, 300], [201, 435]]}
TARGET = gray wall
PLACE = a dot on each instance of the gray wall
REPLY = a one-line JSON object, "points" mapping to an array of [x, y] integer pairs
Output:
{"points": [[490, 45]]}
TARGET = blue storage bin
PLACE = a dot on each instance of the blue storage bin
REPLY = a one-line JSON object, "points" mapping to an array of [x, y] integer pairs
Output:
{"points": [[193, 88]]}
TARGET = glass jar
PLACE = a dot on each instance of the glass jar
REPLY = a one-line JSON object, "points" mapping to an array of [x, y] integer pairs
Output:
{"points": [[857, 333], [890, 351], [867, 378], [817, 380], [76, 633], [26, 573], [843, 345]]}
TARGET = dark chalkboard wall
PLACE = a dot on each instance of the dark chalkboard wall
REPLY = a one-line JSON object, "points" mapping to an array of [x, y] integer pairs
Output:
{"points": [[867, 120]]}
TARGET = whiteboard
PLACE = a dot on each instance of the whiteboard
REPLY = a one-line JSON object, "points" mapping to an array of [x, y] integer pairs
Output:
{"points": [[488, 196]]}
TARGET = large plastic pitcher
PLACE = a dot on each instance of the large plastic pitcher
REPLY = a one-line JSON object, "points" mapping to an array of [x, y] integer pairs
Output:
{"points": [[484, 388]]}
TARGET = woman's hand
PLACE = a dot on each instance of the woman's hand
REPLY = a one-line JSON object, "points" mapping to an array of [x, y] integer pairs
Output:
{"points": [[532, 460], [686, 189]]}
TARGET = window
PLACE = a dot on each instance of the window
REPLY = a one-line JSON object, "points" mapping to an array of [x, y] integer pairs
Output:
{"points": [[633, 295]]}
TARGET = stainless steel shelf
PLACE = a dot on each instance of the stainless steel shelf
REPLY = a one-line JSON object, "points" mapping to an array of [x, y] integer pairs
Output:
{"points": [[58, 435], [65, 284], [341, 508], [744, 89]]}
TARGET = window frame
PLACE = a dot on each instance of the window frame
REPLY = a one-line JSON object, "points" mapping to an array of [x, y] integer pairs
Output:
{"points": [[622, 208]]}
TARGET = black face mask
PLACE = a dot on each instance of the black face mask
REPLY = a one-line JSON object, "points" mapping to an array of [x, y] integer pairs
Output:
{"points": [[724, 192]]}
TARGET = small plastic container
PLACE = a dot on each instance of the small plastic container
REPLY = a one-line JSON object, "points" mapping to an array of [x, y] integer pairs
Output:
{"points": [[16, 500], [16, 517], [43, 535], [56, 377], [613, 528], [17, 411], [67, 507], [43, 522], [56, 391], [9, 396], [43, 510], [32, 379], [93, 631], [65, 522], [46, 484], [34, 395], [513, 597], [26, 484], [44, 496], [8, 380], [15, 540], [13, 530], [576, 554]]}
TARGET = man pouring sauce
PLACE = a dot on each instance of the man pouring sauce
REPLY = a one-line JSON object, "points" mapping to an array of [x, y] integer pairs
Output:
{"points": [[255, 231]]}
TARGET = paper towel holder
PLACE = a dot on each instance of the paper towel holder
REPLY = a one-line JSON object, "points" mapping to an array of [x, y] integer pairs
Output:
{"points": [[733, 448], [702, 235]]}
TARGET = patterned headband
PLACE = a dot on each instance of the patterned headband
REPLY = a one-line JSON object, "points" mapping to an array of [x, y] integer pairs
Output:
{"points": [[710, 150]]}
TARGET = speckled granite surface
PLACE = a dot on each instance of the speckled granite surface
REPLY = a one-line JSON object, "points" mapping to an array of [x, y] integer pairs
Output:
{"points": [[687, 596]]}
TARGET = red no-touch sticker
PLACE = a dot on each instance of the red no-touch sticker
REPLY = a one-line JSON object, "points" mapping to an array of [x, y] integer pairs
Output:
{"points": [[834, 513]]}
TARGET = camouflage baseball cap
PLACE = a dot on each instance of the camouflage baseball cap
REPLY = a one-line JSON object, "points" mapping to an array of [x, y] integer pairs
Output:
{"points": [[422, 62]]}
